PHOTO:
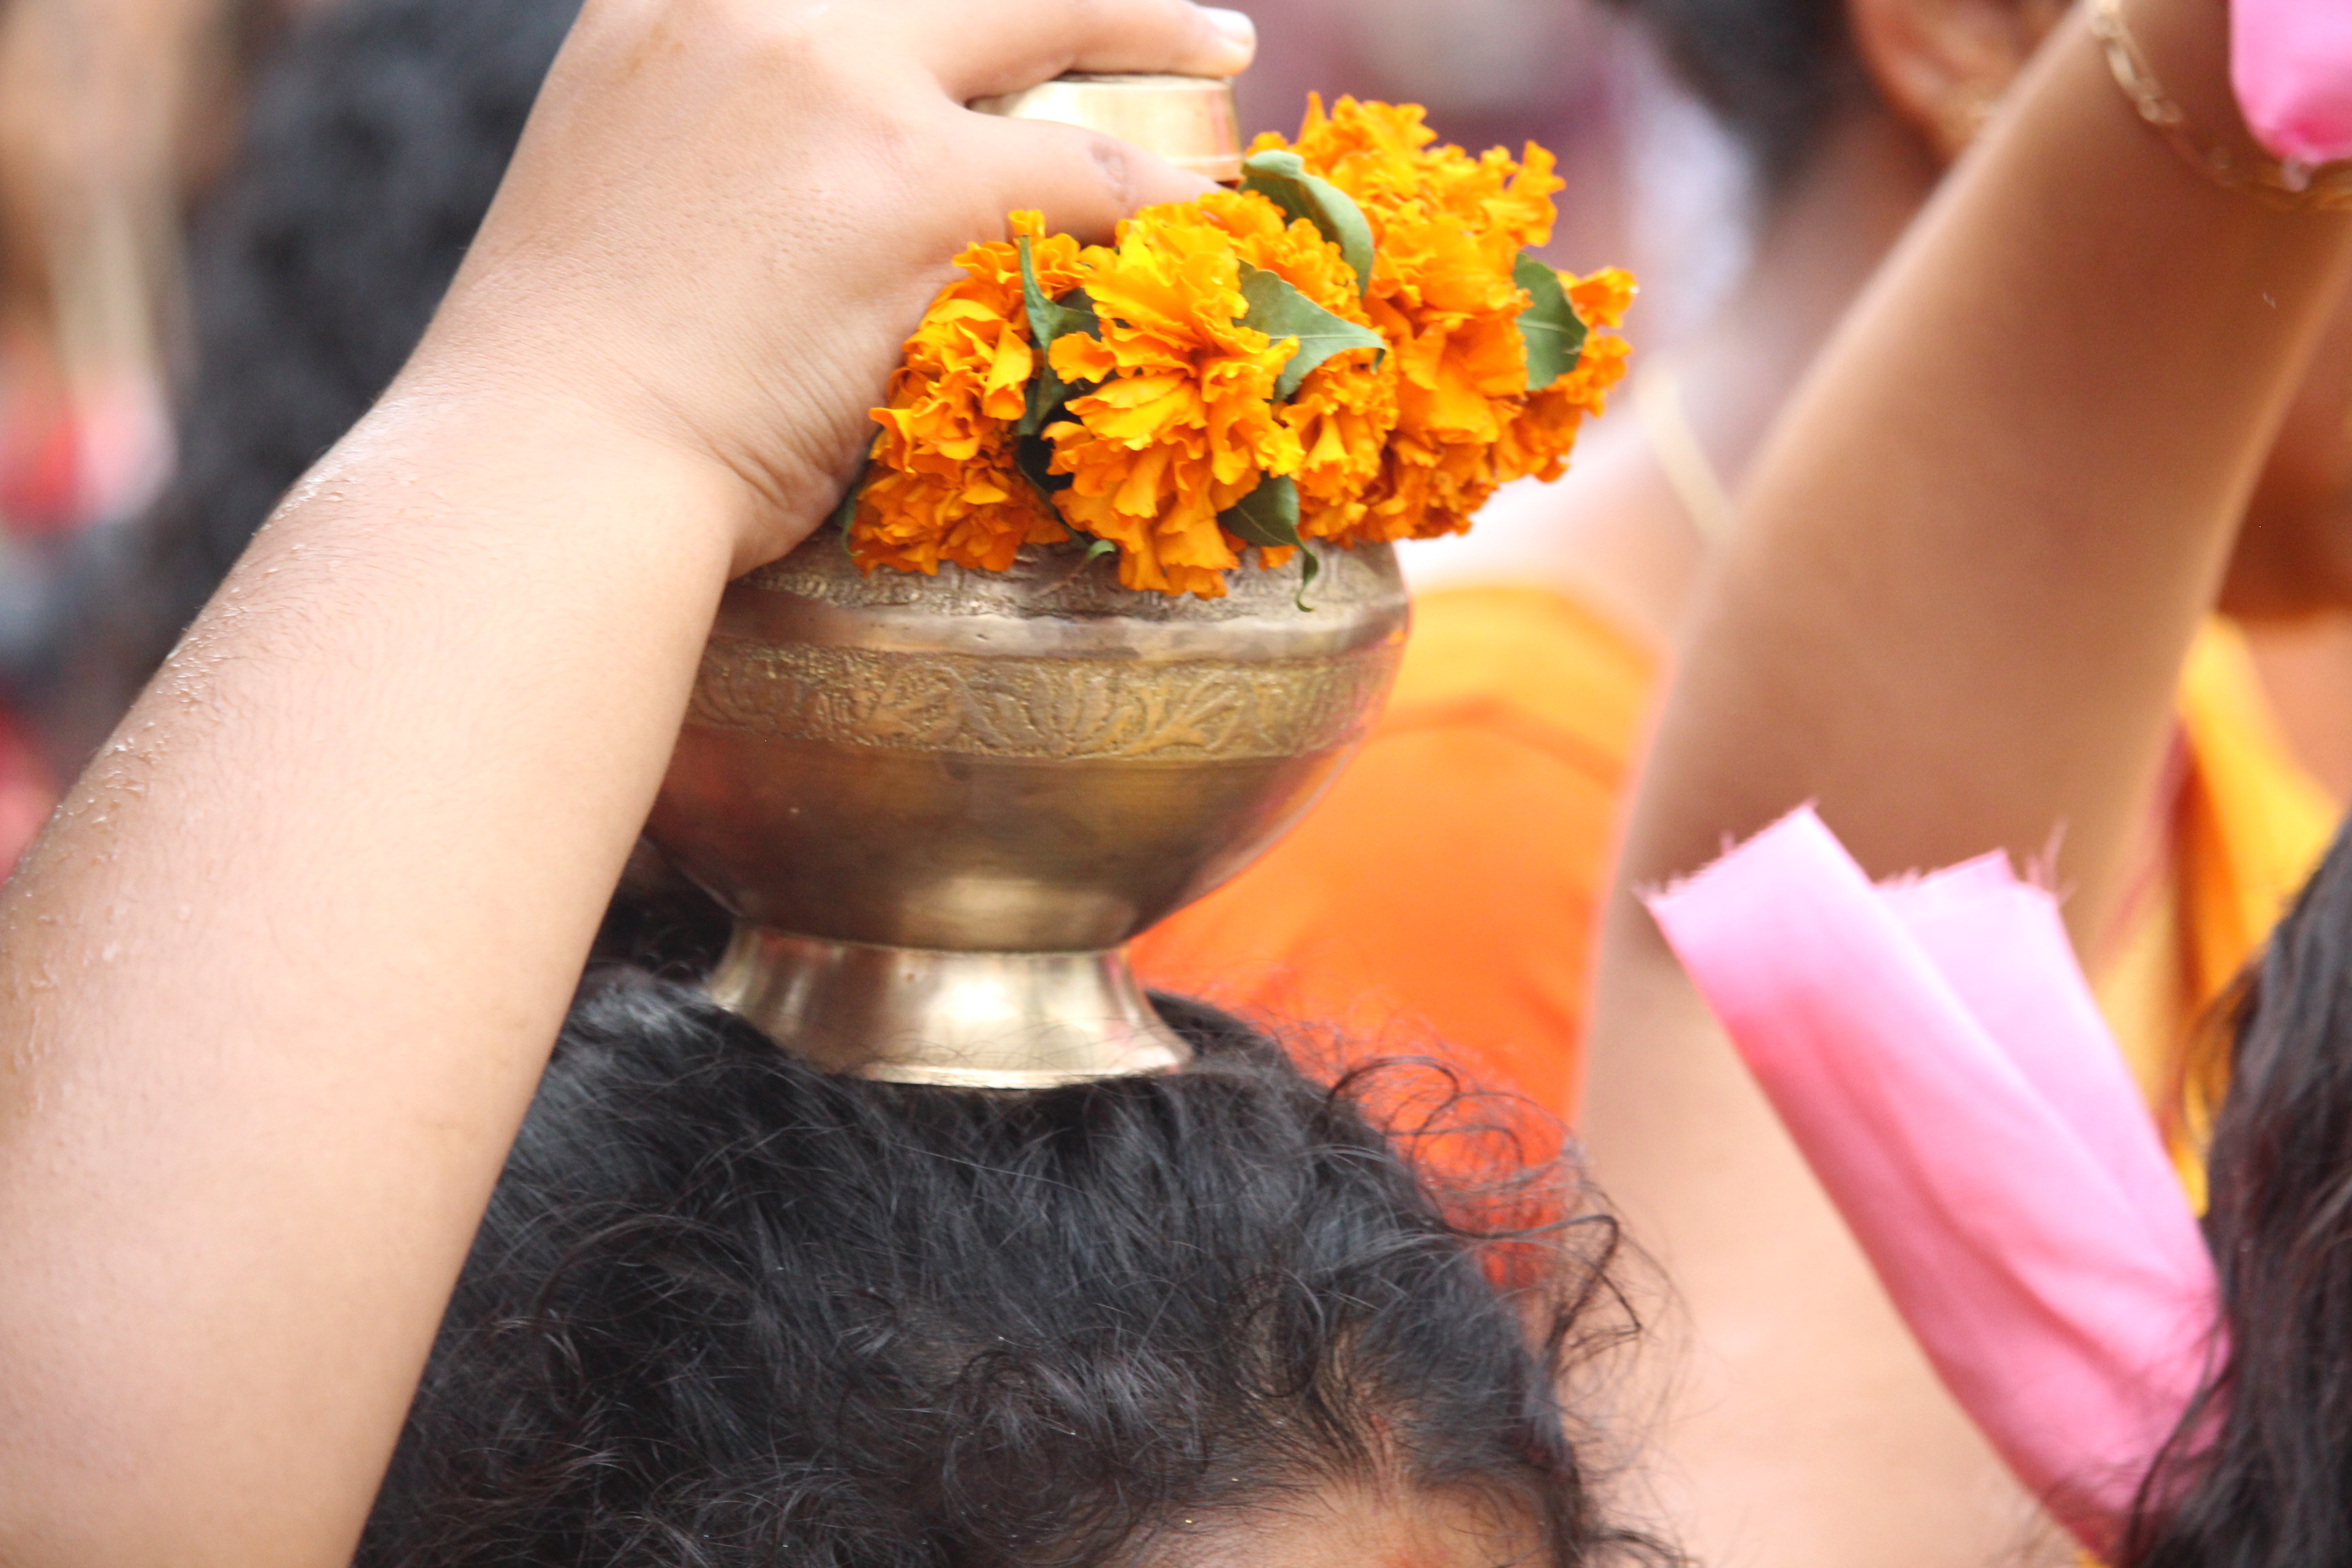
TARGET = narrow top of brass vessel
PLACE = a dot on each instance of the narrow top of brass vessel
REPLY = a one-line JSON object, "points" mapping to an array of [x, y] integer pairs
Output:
{"points": [[1187, 120]]}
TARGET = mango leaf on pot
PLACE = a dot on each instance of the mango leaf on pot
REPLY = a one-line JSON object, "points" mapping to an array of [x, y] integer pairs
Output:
{"points": [[1279, 310], [1281, 177], [1269, 518], [1549, 326], [1050, 319]]}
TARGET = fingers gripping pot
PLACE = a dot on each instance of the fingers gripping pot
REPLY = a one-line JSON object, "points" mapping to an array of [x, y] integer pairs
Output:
{"points": [[940, 806]]}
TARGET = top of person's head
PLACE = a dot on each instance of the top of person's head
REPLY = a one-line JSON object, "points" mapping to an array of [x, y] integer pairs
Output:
{"points": [[726, 1308]]}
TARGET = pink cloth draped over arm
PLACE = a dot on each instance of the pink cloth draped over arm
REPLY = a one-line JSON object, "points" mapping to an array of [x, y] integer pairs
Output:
{"points": [[1932, 1047], [2291, 62]]}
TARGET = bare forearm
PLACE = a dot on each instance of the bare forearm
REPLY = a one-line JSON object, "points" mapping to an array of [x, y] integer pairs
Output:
{"points": [[1969, 565], [341, 780], [1978, 546]]}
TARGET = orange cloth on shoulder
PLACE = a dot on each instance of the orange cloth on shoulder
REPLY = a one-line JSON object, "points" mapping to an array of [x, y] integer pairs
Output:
{"points": [[2253, 824], [1443, 897], [2244, 825]]}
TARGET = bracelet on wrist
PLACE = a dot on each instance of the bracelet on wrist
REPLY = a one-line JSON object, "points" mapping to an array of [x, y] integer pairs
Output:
{"points": [[2286, 185]]}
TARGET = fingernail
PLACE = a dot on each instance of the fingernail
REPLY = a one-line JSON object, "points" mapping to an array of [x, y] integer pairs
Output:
{"points": [[1236, 29]]}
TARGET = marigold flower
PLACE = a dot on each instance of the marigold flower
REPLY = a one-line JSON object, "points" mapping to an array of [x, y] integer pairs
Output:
{"points": [[1342, 413], [1447, 230], [1174, 418], [943, 484], [1537, 441], [1181, 423]]}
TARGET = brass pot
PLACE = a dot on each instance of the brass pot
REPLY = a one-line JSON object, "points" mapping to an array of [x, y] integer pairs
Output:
{"points": [[939, 806]]}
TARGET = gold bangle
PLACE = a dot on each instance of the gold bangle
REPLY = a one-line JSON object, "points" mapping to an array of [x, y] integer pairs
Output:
{"points": [[2291, 186]]}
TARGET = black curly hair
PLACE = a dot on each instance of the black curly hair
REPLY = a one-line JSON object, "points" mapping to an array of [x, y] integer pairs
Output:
{"points": [[2260, 1472], [1776, 72], [727, 1309]]}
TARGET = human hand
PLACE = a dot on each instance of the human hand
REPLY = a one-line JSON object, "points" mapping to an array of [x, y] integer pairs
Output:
{"points": [[725, 215]]}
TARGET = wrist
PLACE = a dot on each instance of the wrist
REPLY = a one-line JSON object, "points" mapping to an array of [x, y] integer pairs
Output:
{"points": [[594, 381], [2171, 61], [518, 463]]}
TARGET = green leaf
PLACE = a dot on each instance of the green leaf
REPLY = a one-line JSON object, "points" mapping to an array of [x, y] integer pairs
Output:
{"points": [[1549, 326], [1051, 319], [846, 512], [1100, 548], [1267, 517], [1280, 311], [1282, 178], [1048, 397]]}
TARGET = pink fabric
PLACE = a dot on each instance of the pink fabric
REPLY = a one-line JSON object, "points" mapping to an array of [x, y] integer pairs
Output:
{"points": [[2291, 61], [1933, 1049]]}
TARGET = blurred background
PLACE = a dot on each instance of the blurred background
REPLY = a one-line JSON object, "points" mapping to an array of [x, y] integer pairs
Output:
{"points": [[117, 117], [1571, 75]]}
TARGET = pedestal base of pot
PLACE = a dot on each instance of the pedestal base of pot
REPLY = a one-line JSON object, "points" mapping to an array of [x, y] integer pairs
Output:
{"points": [[968, 1020]]}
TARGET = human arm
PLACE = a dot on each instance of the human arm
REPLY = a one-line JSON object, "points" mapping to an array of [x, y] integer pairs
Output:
{"points": [[1967, 566], [279, 981]]}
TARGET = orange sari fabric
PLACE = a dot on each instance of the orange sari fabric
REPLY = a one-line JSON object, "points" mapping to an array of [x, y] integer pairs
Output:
{"points": [[1444, 897], [2242, 825]]}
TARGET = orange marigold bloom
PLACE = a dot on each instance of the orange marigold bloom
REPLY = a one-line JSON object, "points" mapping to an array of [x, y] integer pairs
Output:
{"points": [[1343, 411], [1536, 442], [1447, 229], [942, 485], [1181, 423], [1174, 418]]}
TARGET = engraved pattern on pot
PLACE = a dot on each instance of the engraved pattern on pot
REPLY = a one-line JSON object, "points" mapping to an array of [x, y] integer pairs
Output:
{"points": [[1039, 709], [1058, 580]]}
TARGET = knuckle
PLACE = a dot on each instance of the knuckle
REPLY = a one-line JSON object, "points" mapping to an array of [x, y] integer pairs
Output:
{"points": [[895, 146], [1115, 167], [800, 38], [815, 46]]}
